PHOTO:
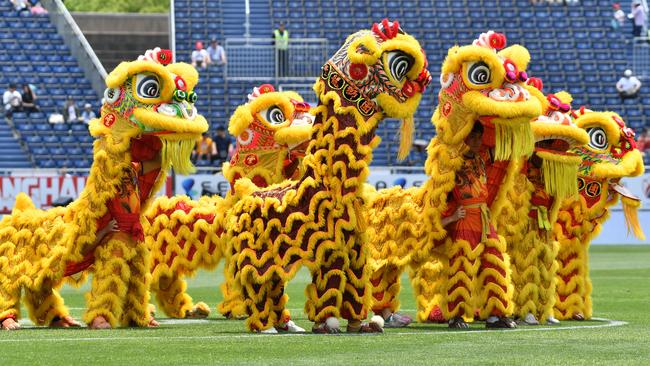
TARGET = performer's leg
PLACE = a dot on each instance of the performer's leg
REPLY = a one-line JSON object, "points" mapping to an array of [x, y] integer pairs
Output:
{"points": [[9, 306], [572, 281], [263, 303], [357, 293], [232, 306], [136, 304], [459, 271], [171, 296], [385, 289], [494, 286], [548, 267], [325, 293], [109, 286], [525, 265], [426, 283], [45, 306]]}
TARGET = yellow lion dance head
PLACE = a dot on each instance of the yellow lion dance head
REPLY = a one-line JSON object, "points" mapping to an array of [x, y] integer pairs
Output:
{"points": [[151, 102]]}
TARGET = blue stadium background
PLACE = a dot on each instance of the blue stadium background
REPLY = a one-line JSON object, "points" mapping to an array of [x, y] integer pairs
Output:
{"points": [[572, 48]]}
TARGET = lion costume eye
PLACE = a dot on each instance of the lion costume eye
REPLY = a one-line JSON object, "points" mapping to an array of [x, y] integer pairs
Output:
{"points": [[274, 115], [147, 86], [399, 64], [478, 73], [597, 138]]}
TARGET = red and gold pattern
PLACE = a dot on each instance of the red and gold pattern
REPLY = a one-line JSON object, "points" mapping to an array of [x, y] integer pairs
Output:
{"points": [[318, 220], [609, 156], [405, 226], [135, 145], [186, 234]]}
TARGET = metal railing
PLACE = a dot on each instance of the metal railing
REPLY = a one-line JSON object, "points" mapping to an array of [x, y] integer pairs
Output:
{"points": [[641, 57], [66, 26], [252, 59]]}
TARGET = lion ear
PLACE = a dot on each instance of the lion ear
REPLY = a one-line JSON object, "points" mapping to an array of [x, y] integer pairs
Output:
{"points": [[564, 97], [518, 54], [240, 120]]}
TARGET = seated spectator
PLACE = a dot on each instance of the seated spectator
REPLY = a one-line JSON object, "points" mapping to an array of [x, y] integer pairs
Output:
{"points": [[21, 5], [29, 99], [88, 114], [70, 111], [200, 56], [628, 86], [217, 53], [223, 145], [619, 17], [204, 148], [12, 100]]}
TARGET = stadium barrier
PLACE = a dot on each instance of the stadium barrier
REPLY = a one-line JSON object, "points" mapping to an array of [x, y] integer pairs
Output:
{"points": [[252, 59]]}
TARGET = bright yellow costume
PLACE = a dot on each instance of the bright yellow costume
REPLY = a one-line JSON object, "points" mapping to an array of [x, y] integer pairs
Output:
{"points": [[318, 220], [610, 155], [148, 124], [185, 235], [526, 220], [482, 85]]}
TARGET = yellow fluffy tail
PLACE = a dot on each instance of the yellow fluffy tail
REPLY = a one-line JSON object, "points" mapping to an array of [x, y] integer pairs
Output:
{"points": [[630, 210]]}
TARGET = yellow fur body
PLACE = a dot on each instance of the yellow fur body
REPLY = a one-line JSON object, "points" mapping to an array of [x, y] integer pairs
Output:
{"points": [[185, 234], [581, 217], [319, 220], [36, 245], [406, 225]]}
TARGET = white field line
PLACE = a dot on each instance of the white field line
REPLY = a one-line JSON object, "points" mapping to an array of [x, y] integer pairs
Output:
{"points": [[607, 324]]}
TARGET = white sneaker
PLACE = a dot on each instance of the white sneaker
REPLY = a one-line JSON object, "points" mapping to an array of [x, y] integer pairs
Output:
{"points": [[530, 319], [290, 327], [271, 330], [552, 321]]}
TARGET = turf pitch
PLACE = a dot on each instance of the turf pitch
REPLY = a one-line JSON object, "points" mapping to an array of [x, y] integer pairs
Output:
{"points": [[620, 277]]}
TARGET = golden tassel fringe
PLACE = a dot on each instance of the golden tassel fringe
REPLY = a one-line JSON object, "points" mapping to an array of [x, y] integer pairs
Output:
{"points": [[630, 210]]}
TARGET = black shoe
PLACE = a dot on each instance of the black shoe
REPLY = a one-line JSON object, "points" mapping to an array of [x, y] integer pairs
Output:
{"points": [[458, 323], [503, 322]]}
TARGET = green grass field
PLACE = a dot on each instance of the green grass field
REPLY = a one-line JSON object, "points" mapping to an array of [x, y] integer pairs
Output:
{"points": [[620, 276]]}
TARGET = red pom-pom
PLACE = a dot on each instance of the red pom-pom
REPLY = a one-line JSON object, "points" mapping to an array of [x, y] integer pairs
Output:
{"points": [[165, 57], [497, 40], [536, 82], [266, 88], [358, 71]]}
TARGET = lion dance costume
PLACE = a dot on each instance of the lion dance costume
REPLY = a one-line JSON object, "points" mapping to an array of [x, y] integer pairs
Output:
{"points": [[186, 235], [319, 219], [610, 155], [148, 124], [480, 85], [526, 220]]}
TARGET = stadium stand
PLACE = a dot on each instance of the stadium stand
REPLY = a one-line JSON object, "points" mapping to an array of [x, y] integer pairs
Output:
{"points": [[572, 47], [32, 52]]}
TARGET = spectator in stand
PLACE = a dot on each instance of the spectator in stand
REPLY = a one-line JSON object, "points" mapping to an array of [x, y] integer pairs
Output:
{"points": [[29, 99], [200, 56], [204, 148], [619, 17], [12, 101], [21, 5], [88, 114], [70, 111], [217, 53], [628, 86], [638, 17], [281, 40], [223, 145]]}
